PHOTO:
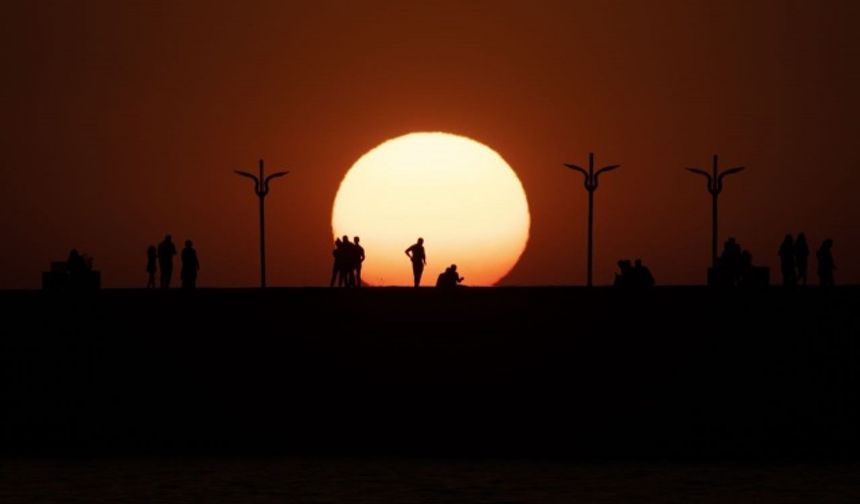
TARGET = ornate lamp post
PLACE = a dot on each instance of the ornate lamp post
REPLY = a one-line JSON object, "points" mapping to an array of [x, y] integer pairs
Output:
{"points": [[715, 187], [591, 180], [261, 189]]}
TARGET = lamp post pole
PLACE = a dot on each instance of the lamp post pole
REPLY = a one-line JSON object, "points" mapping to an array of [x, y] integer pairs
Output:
{"points": [[261, 189], [591, 181], [715, 187]]}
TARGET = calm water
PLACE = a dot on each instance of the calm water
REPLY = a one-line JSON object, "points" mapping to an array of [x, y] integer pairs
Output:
{"points": [[398, 480]]}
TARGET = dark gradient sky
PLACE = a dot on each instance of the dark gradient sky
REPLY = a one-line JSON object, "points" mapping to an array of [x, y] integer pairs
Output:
{"points": [[123, 120]]}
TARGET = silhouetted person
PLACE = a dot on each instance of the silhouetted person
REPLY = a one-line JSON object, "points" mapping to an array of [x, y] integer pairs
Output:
{"points": [[801, 257], [642, 276], [729, 263], [786, 261], [449, 278], [335, 265], [752, 275], [349, 259], [337, 255], [825, 263], [166, 251], [633, 276], [77, 268], [624, 276], [190, 266], [151, 265], [416, 254], [359, 258]]}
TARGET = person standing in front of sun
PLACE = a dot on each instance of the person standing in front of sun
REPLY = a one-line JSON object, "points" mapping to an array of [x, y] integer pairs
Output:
{"points": [[419, 259], [359, 258]]}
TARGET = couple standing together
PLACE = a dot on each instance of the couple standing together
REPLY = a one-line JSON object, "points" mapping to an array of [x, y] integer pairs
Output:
{"points": [[163, 257]]}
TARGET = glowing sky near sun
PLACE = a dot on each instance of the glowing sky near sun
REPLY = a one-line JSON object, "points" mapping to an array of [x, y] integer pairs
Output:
{"points": [[458, 194]]}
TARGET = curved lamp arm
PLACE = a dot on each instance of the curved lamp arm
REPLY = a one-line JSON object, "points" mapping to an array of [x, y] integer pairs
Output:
{"points": [[250, 176], [602, 170]]}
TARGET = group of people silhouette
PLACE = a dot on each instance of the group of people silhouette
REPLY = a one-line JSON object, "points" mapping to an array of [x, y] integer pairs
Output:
{"points": [[735, 268], [79, 268], [794, 261], [633, 274], [161, 259], [348, 256]]}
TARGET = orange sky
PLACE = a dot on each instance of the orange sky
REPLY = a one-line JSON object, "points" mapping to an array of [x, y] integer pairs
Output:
{"points": [[124, 120]]}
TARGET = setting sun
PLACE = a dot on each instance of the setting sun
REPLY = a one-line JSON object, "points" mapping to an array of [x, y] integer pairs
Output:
{"points": [[458, 194]]}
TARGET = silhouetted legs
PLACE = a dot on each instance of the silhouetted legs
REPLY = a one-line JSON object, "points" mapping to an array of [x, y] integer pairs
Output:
{"points": [[337, 253], [166, 251], [166, 273], [417, 270], [189, 281], [190, 266], [150, 283]]}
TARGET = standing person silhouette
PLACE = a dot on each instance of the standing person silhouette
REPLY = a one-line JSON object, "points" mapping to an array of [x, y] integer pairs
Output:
{"points": [[166, 251], [801, 257], [151, 265], [416, 254], [359, 258], [347, 270], [337, 265], [190, 265], [825, 263]]}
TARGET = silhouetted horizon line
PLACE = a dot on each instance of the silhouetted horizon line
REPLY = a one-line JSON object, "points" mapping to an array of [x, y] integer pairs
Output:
{"points": [[775, 287]]}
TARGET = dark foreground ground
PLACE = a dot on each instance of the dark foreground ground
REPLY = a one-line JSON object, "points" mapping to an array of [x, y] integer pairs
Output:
{"points": [[169, 480], [508, 372]]}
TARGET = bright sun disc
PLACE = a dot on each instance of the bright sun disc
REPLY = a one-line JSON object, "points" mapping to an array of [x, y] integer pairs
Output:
{"points": [[456, 193]]}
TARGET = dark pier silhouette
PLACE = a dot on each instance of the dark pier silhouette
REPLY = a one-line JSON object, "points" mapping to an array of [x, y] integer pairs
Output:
{"points": [[568, 372]]}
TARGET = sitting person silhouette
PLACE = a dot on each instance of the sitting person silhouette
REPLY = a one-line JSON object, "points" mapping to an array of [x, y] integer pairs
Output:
{"points": [[76, 265], [624, 276], [642, 275], [633, 274], [449, 278]]}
